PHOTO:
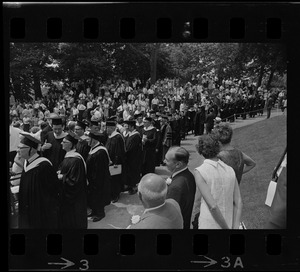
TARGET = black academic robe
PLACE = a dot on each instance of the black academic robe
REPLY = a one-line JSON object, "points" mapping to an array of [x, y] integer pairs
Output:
{"points": [[210, 122], [44, 132], [99, 179], [140, 128], [116, 148], [148, 161], [39, 197], [158, 148], [73, 199], [197, 123], [133, 159], [55, 154], [83, 148]]}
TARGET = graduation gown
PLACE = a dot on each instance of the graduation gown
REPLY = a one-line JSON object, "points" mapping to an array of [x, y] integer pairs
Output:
{"points": [[148, 160], [115, 146], [39, 195], [99, 179], [55, 154], [139, 128], [133, 158], [73, 199], [83, 147]]}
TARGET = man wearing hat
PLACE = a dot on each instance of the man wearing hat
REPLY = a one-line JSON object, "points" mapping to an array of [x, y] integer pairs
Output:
{"points": [[139, 123], [52, 149], [98, 175], [48, 128], [94, 125], [39, 188], [156, 122], [73, 198], [166, 136], [82, 146], [176, 136], [149, 141], [133, 157], [116, 148]]}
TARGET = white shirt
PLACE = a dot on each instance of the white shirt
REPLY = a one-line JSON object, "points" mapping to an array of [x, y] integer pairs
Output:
{"points": [[176, 173], [220, 179]]}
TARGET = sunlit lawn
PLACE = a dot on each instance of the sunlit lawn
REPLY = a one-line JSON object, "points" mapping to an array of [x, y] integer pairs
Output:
{"points": [[265, 142]]}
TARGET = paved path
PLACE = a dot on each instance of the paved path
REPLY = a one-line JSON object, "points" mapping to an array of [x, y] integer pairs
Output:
{"points": [[118, 215]]}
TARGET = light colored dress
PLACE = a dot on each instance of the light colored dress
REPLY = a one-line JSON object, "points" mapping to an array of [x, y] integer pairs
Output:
{"points": [[221, 179]]}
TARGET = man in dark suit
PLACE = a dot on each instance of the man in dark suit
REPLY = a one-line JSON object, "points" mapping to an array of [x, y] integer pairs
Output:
{"points": [[182, 186], [210, 120], [160, 213], [270, 103]]}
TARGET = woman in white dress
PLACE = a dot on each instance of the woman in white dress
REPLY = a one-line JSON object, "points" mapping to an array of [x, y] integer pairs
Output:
{"points": [[221, 204]]}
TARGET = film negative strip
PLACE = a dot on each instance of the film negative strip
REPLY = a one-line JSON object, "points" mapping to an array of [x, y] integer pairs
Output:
{"points": [[125, 249]]}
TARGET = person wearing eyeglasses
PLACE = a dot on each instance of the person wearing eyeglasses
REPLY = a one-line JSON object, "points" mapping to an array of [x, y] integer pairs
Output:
{"points": [[39, 188], [73, 199], [82, 146]]}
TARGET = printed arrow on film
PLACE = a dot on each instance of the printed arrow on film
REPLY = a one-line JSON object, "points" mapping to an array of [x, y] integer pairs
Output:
{"points": [[209, 262], [66, 264]]}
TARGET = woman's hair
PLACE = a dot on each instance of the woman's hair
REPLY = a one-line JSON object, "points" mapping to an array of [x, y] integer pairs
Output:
{"points": [[208, 146], [223, 133]]}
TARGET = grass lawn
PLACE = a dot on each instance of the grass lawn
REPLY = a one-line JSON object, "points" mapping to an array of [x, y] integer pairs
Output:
{"points": [[264, 142]]}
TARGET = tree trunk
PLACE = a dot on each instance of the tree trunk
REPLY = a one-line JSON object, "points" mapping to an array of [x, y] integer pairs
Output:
{"points": [[270, 79], [153, 62], [37, 86], [16, 90], [261, 74]]}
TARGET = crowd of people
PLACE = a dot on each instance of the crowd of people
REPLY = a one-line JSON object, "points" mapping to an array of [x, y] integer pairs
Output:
{"points": [[77, 150]]}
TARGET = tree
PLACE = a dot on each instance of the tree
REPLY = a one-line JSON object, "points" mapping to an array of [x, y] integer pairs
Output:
{"points": [[29, 65]]}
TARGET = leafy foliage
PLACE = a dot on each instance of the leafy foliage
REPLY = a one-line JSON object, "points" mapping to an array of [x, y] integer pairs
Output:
{"points": [[33, 64]]}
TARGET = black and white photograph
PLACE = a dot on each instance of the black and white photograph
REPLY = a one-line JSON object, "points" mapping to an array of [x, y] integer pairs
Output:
{"points": [[147, 135]]}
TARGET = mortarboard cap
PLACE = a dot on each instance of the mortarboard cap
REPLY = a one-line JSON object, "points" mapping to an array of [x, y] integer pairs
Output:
{"points": [[130, 122], [57, 120], [111, 122], [149, 119], [71, 138], [81, 124], [29, 140], [97, 136], [138, 115]]}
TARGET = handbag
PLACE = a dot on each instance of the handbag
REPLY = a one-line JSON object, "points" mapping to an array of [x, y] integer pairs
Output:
{"points": [[115, 169]]}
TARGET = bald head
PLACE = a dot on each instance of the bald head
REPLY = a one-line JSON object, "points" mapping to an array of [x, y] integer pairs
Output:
{"points": [[153, 190]]}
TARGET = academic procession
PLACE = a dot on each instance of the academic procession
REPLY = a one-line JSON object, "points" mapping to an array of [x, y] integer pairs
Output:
{"points": [[80, 146]]}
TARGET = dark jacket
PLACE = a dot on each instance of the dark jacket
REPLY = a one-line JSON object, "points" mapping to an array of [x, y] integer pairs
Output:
{"points": [[183, 189]]}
